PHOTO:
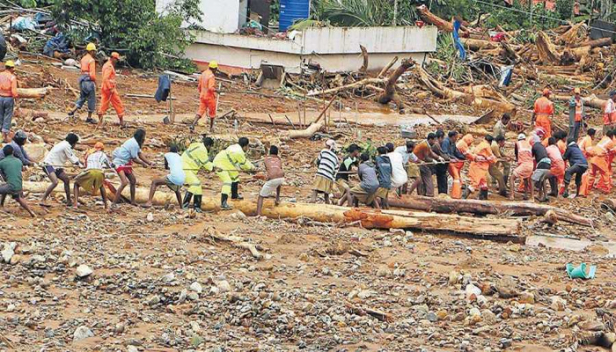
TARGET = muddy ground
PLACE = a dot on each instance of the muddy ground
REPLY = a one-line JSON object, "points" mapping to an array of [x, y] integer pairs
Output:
{"points": [[161, 283]]}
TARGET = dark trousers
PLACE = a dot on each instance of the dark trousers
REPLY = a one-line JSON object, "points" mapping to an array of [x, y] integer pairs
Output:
{"points": [[426, 180], [441, 178], [577, 170], [574, 130]]}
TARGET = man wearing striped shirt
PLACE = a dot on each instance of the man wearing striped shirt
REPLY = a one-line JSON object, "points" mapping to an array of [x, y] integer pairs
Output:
{"points": [[327, 163]]}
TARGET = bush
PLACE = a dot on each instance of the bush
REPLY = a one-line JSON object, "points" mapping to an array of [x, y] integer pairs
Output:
{"points": [[133, 27]]}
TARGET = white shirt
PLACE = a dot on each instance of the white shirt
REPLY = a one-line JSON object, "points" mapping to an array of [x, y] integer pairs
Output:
{"points": [[403, 150], [609, 106], [399, 176], [98, 161], [60, 154]]}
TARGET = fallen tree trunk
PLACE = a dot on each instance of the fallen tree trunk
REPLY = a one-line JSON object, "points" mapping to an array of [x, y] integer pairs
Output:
{"points": [[505, 229], [441, 24], [440, 90], [306, 133], [576, 33], [591, 101], [478, 44], [35, 93], [386, 68], [595, 43], [483, 207], [390, 87], [354, 85]]}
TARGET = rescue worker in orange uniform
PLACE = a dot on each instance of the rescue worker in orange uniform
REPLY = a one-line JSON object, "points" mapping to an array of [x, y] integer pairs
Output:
{"points": [[609, 113], [557, 168], [599, 156], [8, 93], [524, 170], [455, 168], [207, 95], [542, 114], [481, 158], [87, 83], [109, 91], [576, 115], [586, 144]]}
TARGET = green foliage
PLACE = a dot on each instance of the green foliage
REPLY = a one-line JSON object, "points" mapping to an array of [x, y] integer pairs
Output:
{"points": [[355, 13], [518, 17], [133, 27], [275, 11], [564, 8]]}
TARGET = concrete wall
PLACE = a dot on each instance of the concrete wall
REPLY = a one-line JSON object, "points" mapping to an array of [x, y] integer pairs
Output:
{"points": [[220, 16], [335, 49]]}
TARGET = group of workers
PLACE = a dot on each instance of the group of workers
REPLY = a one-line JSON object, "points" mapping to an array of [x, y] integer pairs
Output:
{"points": [[183, 171], [556, 157]]}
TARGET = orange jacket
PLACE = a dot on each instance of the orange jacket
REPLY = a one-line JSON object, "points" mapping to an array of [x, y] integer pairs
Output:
{"points": [[578, 110], [88, 67], [603, 147], [109, 77], [464, 145], [483, 149], [544, 108], [207, 85], [8, 84], [562, 146], [585, 145]]}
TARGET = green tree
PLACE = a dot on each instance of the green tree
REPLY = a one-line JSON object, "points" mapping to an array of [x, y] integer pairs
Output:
{"points": [[133, 27]]}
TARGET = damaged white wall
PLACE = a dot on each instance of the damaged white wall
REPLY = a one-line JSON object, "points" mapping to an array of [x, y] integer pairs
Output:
{"points": [[335, 49], [220, 16]]}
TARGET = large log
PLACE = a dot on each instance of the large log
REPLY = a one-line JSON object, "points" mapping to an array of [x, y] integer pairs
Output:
{"points": [[392, 219], [595, 43], [483, 207], [36, 93], [546, 50], [480, 102], [306, 133], [390, 87], [590, 101]]}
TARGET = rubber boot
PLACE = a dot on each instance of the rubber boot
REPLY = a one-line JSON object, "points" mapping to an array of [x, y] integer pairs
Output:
{"points": [[223, 202], [553, 187], [235, 191], [483, 194], [197, 204], [186, 202]]}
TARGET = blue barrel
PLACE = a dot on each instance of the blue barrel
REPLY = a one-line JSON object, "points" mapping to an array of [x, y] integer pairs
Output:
{"points": [[291, 11]]}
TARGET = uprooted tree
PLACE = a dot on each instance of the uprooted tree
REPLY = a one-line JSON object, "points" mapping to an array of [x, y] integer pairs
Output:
{"points": [[147, 38]]}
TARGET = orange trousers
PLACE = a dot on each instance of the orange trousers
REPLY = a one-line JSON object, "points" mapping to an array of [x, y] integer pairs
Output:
{"points": [[113, 98], [605, 177], [478, 176], [456, 187]]}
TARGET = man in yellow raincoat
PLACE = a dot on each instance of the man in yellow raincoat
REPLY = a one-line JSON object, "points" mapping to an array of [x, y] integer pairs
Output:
{"points": [[227, 163], [194, 159]]}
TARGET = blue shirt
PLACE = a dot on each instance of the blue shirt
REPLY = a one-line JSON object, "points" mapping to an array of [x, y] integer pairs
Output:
{"points": [[174, 162], [126, 152]]}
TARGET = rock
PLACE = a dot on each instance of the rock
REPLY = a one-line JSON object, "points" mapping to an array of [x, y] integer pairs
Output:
{"points": [[82, 333], [16, 259], [458, 317], [168, 278], [432, 317], [194, 296], [131, 348], [83, 271], [474, 312], [364, 294], [558, 304], [488, 317], [196, 340], [506, 288], [182, 297], [119, 328], [505, 343], [150, 217], [223, 286], [607, 340], [195, 286], [8, 252], [152, 300], [472, 292], [442, 315], [591, 325], [383, 272], [527, 297], [10, 308], [454, 278], [611, 304]]}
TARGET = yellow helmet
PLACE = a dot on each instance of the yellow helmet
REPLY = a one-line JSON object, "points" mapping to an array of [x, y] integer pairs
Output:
{"points": [[91, 47], [213, 64], [9, 63]]}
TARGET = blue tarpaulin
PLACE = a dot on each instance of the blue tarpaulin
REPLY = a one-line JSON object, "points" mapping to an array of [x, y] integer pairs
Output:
{"points": [[58, 43], [456, 39]]}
